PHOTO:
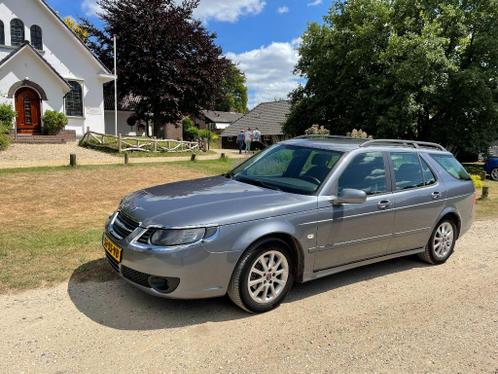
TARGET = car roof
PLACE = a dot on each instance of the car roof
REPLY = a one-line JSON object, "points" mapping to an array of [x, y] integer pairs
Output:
{"points": [[347, 144]]}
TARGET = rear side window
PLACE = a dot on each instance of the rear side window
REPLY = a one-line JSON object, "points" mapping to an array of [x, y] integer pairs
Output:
{"points": [[407, 170], [452, 166], [366, 172]]}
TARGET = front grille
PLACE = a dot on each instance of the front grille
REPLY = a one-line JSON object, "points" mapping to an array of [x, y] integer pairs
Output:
{"points": [[112, 262], [123, 226], [135, 276]]}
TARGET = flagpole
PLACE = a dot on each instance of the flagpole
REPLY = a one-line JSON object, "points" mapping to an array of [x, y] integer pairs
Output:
{"points": [[115, 91]]}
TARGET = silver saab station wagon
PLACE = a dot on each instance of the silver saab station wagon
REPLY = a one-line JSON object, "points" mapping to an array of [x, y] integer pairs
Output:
{"points": [[302, 209]]}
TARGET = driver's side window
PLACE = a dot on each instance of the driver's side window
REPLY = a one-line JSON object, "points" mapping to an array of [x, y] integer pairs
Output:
{"points": [[275, 165], [366, 172]]}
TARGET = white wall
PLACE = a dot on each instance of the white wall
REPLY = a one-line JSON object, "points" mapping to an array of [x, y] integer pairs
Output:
{"points": [[123, 127], [65, 54]]}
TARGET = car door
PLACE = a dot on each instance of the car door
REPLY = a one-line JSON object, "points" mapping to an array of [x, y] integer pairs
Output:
{"points": [[418, 199], [348, 233]]}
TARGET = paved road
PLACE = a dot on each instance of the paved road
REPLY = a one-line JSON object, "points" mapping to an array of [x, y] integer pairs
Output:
{"points": [[399, 316]]}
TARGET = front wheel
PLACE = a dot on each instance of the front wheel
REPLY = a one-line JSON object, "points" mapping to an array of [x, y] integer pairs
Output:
{"points": [[494, 174], [441, 244], [262, 278]]}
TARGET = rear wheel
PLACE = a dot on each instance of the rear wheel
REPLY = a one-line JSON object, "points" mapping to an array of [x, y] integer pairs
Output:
{"points": [[441, 244], [494, 174], [262, 278]]}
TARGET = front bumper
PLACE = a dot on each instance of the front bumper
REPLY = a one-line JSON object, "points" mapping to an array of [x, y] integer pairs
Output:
{"points": [[191, 271]]}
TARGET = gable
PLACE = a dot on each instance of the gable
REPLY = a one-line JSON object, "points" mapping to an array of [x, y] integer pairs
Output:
{"points": [[61, 47]]}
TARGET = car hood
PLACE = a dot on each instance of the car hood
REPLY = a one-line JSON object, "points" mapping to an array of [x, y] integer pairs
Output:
{"points": [[210, 201]]}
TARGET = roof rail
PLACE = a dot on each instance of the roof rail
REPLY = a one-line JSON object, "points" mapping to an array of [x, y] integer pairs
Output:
{"points": [[401, 143], [324, 136]]}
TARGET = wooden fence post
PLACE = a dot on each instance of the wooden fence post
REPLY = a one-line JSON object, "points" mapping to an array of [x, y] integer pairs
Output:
{"points": [[223, 156], [154, 140], [72, 160], [126, 158], [485, 192], [192, 157], [120, 146]]}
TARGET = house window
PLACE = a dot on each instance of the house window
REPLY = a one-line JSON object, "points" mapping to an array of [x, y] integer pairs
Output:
{"points": [[2, 34], [36, 37], [74, 100], [16, 32]]}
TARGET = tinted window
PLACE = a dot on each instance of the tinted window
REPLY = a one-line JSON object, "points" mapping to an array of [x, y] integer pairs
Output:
{"points": [[288, 168], [74, 100], [429, 177], [451, 165], [2, 34], [407, 170], [366, 172], [16, 32], [36, 37]]}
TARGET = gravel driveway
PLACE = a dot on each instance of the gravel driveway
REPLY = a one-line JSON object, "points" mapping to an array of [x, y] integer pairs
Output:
{"points": [[398, 316]]}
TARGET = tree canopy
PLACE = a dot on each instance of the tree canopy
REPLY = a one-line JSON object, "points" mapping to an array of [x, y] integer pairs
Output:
{"points": [[418, 69], [166, 59], [233, 95]]}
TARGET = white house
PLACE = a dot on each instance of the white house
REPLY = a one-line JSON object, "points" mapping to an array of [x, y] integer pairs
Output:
{"points": [[44, 65]]}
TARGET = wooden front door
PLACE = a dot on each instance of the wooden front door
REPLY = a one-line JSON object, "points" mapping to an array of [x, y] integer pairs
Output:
{"points": [[28, 111]]}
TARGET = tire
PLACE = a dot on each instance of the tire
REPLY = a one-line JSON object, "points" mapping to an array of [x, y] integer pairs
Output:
{"points": [[441, 243], [494, 174], [275, 282]]}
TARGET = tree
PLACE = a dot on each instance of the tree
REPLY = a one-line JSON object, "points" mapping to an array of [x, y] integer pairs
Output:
{"points": [[166, 59], [402, 69], [233, 96], [80, 31]]}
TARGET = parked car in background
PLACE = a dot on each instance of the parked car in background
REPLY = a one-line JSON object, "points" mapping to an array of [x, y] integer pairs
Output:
{"points": [[491, 167], [302, 209]]}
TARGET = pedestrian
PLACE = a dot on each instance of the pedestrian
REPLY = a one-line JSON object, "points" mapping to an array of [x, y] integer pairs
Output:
{"points": [[256, 140], [248, 139], [240, 141]]}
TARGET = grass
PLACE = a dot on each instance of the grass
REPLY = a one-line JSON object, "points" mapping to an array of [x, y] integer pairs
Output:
{"points": [[52, 217]]}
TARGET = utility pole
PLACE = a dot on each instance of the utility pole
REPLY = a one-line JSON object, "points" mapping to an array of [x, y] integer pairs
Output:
{"points": [[115, 90]]}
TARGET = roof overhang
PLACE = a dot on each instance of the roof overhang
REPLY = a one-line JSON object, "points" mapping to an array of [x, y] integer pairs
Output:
{"points": [[29, 49]]}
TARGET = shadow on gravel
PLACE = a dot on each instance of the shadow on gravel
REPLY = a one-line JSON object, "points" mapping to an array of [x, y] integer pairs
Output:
{"points": [[116, 304]]}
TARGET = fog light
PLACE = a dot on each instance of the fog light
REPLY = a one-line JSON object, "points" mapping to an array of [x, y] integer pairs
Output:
{"points": [[159, 284]]}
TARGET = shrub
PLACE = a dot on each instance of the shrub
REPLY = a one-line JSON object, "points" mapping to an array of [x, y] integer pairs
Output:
{"points": [[476, 179], [4, 142], [7, 115], [53, 122], [191, 133]]}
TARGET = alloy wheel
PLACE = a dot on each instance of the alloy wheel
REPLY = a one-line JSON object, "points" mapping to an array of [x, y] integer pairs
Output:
{"points": [[494, 174], [443, 240], [268, 277]]}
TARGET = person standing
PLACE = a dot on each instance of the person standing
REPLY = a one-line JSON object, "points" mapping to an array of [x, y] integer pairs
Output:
{"points": [[256, 140], [248, 139], [240, 141]]}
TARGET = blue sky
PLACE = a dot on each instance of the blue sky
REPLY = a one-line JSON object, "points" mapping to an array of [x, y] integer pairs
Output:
{"points": [[261, 36]]}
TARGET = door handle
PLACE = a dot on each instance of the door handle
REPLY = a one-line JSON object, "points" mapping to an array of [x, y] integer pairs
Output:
{"points": [[436, 195], [383, 204]]}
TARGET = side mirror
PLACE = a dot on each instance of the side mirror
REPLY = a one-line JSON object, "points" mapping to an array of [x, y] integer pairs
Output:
{"points": [[350, 196]]}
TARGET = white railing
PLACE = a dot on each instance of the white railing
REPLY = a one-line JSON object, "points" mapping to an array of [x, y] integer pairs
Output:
{"points": [[137, 143]]}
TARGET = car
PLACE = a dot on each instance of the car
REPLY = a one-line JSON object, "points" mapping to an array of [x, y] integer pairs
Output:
{"points": [[302, 209], [491, 167]]}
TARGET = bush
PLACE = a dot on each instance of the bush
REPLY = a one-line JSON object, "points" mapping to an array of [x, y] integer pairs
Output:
{"points": [[7, 115], [476, 179], [4, 142], [191, 133], [53, 122]]}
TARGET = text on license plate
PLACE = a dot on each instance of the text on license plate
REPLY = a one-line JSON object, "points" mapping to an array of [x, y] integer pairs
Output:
{"points": [[112, 249]]}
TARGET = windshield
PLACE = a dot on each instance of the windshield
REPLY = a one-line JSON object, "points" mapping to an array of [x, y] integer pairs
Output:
{"points": [[288, 168]]}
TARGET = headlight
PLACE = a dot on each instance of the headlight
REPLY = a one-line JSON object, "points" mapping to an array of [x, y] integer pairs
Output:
{"points": [[176, 237]]}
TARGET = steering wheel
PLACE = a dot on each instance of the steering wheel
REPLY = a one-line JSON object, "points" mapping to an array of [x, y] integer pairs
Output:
{"points": [[311, 179]]}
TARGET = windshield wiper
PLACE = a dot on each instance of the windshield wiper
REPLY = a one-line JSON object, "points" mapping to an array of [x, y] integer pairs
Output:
{"points": [[258, 182]]}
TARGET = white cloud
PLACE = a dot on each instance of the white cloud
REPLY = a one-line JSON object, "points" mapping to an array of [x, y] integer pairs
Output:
{"points": [[228, 11], [283, 9], [90, 7], [315, 2], [268, 70], [219, 10]]}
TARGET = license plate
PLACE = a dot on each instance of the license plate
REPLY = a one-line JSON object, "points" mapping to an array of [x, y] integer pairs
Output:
{"points": [[112, 249]]}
